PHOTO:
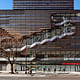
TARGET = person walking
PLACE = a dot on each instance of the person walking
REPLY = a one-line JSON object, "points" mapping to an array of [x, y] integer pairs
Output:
{"points": [[54, 70]]}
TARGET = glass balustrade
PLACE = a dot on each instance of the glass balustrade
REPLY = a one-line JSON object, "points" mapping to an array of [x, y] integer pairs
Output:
{"points": [[53, 33], [67, 28], [29, 41], [43, 35], [62, 30], [46, 34], [34, 37], [39, 37], [58, 31], [49, 33]]}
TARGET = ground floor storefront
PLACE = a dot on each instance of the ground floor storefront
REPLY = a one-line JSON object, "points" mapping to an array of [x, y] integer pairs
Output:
{"points": [[45, 64], [50, 68]]}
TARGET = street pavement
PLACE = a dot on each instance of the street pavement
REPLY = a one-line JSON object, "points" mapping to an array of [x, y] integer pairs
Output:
{"points": [[40, 77]]}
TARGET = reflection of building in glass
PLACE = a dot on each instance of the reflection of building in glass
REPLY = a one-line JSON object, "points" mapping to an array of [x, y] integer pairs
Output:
{"points": [[43, 34]]}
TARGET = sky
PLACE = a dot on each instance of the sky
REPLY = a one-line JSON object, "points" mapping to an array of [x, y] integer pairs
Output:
{"points": [[8, 4]]}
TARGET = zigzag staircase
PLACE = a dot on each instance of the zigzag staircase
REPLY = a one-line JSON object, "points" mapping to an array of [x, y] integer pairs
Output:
{"points": [[57, 31]]}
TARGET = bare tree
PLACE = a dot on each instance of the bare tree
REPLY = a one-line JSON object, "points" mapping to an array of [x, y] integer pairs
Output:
{"points": [[9, 41], [10, 56]]}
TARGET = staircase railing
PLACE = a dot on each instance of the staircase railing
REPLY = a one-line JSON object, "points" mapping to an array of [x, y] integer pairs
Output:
{"points": [[48, 35]]}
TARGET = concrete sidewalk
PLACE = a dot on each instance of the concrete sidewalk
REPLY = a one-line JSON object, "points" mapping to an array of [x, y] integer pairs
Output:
{"points": [[21, 75], [37, 74]]}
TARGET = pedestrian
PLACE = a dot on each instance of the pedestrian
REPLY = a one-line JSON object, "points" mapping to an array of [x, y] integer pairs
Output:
{"points": [[55, 70], [44, 69], [31, 72], [64, 69], [49, 69]]}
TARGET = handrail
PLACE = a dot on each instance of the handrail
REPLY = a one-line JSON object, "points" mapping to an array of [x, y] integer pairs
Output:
{"points": [[63, 22]]}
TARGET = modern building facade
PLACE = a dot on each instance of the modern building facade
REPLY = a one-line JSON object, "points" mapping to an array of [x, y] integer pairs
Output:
{"points": [[47, 33], [43, 4]]}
